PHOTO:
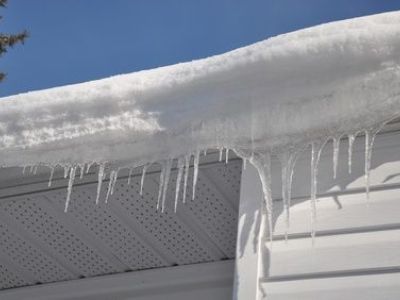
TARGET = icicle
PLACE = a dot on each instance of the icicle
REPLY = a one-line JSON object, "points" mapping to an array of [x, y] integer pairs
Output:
{"points": [[142, 179], [226, 155], [167, 173], [367, 162], [287, 160], [70, 183], [109, 187], [31, 168], [290, 179], [100, 181], [35, 169], [130, 175], [351, 138], [51, 176], [185, 177], [284, 168], [66, 171], [160, 186], [262, 162], [221, 150], [111, 184], [180, 166], [88, 167], [369, 141], [115, 177], [81, 171], [205, 152], [23, 170], [335, 144], [316, 149], [244, 163], [195, 172]]}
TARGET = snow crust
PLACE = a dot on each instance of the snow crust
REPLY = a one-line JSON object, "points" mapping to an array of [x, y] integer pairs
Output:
{"points": [[275, 97], [294, 88]]}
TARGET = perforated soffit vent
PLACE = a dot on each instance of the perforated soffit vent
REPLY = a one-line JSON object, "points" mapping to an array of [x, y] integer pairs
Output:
{"points": [[42, 244]]}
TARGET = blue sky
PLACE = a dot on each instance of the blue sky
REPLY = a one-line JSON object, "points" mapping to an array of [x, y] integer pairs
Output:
{"points": [[80, 40]]}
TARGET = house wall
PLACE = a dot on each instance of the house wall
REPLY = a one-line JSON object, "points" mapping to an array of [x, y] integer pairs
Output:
{"points": [[356, 252]]}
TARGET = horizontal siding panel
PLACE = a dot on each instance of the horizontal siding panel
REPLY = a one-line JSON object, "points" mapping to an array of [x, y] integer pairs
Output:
{"points": [[334, 253], [355, 255], [385, 168], [341, 212], [367, 287]]}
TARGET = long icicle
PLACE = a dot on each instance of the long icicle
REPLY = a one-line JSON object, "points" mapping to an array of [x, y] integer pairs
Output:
{"points": [[70, 183], [287, 160], [369, 142], [221, 150], [370, 135], [367, 163], [180, 165], [185, 177], [130, 175], [114, 181], [351, 138], [142, 179], [81, 170], [160, 185], [293, 160], [23, 170], [168, 165], [88, 167], [226, 155], [66, 171], [111, 184], [284, 160], [100, 181], [316, 149], [262, 162], [290, 172], [51, 176], [195, 172], [336, 145]]}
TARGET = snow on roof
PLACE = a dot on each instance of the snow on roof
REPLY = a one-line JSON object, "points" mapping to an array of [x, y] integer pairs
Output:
{"points": [[322, 78], [281, 93]]}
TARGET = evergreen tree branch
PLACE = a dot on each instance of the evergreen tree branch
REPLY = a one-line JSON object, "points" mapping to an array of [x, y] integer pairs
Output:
{"points": [[9, 40]]}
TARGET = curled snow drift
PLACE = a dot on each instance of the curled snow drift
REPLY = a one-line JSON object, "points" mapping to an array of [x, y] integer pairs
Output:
{"points": [[292, 89]]}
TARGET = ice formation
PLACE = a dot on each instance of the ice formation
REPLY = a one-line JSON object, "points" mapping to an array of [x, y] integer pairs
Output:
{"points": [[142, 179], [275, 97], [180, 166]]}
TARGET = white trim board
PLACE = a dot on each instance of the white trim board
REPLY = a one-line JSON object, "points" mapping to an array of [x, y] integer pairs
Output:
{"points": [[202, 281]]}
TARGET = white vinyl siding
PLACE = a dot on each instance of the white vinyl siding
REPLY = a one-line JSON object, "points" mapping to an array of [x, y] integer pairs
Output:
{"points": [[356, 252]]}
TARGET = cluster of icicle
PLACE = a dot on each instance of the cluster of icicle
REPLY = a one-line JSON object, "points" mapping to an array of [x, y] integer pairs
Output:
{"points": [[262, 162], [183, 166], [260, 159]]}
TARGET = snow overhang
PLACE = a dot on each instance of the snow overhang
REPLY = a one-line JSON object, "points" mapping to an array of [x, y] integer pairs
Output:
{"points": [[328, 80]]}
